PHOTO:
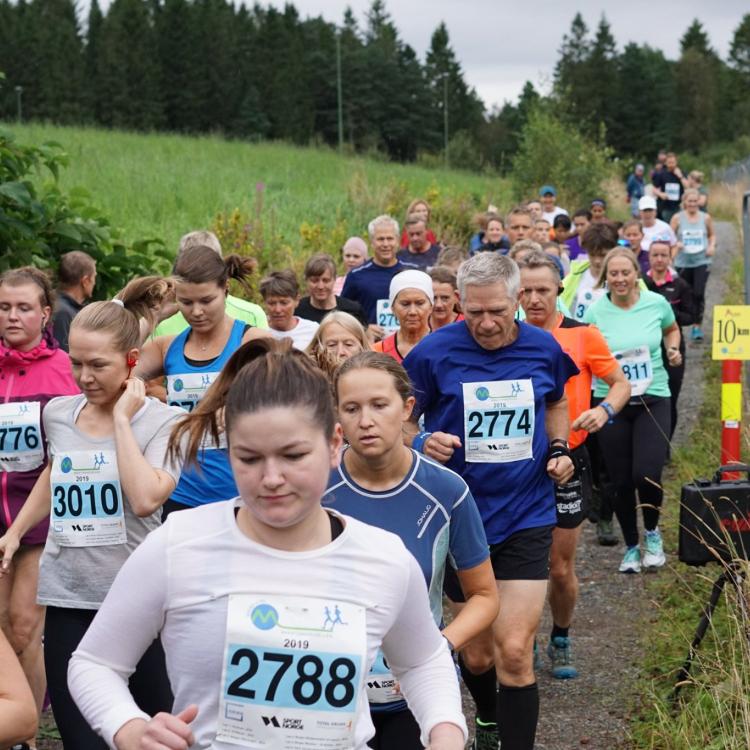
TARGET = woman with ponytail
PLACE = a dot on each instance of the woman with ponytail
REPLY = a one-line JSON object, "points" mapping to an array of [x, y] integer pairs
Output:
{"points": [[107, 478], [33, 370], [193, 359], [270, 607]]}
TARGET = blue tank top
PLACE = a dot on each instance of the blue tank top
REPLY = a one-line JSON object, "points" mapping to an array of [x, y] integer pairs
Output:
{"points": [[694, 238], [186, 385]]}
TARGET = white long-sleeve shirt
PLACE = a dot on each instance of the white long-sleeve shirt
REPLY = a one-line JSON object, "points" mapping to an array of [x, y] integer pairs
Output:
{"points": [[178, 584]]}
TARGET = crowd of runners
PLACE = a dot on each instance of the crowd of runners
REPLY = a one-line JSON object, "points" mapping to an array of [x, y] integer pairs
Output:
{"points": [[293, 524]]}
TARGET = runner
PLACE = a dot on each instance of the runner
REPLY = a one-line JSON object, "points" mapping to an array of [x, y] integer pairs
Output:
{"points": [[494, 239], [492, 394], [632, 231], [445, 306], [635, 188], [635, 322], [550, 210], [519, 224], [669, 185], [369, 283], [105, 483], [338, 337], [411, 298], [452, 257], [421, 209], [599, 210], [420, 251], [696, 245], [580, 286], [236, 307], [354, 254], [542, 231], [651, 226], [280, 292], [320, 272], [289, 602], [581, 221], [76, 278], [192, 360], [677, 292], [18, 714], [540, 281], [33, 370], [382, 482]]}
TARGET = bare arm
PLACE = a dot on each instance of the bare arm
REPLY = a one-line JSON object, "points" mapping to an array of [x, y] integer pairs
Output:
{"points": [[18, 718], [151, 358], [146, 487], [34, 510], [480, 592], [671, 338], [592, 420]]}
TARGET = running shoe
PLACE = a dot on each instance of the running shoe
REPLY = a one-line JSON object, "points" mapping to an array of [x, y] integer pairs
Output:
{"points": [[654, 557], [631, 562], [696, 334], [486, 736], [605, 533], [560, 653]]}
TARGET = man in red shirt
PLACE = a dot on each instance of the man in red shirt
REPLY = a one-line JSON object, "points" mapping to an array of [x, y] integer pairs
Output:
{"points": [[540, 286]]}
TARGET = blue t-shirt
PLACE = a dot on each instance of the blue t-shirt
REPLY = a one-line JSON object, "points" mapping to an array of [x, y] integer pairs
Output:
{"points": [[433, 513], [495, 402], [423, 261], [370, 283]]}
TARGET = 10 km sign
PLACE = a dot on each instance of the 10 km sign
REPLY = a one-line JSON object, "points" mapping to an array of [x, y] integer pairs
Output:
{"points": [[731, 339]]}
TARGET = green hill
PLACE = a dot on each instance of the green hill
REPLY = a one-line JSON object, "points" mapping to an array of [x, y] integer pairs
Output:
{"points": [[297, 198]]}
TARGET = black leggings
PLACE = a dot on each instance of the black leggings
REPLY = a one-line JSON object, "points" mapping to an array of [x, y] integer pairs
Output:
{"points": [[697, 277], [149, 684], [675, 377], [635, 448], [395, 730]]}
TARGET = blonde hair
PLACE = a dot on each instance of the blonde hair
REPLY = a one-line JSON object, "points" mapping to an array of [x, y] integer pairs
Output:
{"points": [[320, 354], [120, 318], [690, 192], [618, 252]]}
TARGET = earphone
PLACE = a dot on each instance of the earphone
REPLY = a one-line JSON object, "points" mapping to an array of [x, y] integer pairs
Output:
{"points": [[132, 361]]}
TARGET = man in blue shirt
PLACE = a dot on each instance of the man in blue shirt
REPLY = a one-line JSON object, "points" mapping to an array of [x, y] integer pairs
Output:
{"points": [[492, 394], [370, 283]]}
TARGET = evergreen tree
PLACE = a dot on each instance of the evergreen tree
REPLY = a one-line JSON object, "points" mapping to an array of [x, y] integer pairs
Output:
{"points": [[571, 77], [739, 51], [94, 93]]}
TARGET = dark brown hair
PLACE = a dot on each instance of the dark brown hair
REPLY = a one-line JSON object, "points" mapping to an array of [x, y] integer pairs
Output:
{"points": [[201, 264], [261, 374], [599, 238], [31, 275], [319, 264], [122, 321], [73, 267], [375, 361]]}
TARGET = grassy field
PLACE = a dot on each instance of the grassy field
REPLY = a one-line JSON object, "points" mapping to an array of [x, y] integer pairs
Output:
{"points": [[164, 185]]}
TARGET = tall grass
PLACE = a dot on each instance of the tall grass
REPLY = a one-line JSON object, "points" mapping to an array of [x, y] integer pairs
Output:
{"points": [[714, 712], [165, 185], [725, 199]]}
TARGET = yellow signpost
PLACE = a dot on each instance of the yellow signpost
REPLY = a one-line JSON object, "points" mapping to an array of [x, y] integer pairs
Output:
{"points": [[731, 338]]}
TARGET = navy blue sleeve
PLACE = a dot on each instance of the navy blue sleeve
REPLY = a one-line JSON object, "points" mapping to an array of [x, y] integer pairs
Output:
{"points": [[417, 366], [349, 288], [468, 541]]}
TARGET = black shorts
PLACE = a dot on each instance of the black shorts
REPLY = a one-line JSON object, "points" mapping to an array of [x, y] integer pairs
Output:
{"points": [[523, 556], [573, 499]]}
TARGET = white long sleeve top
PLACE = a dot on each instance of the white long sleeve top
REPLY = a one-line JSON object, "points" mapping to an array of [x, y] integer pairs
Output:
{"points": [[179, 584]]}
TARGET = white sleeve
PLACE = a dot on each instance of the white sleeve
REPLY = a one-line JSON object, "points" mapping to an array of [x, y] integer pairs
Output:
{"points": [[128, 621], [420, 660]]}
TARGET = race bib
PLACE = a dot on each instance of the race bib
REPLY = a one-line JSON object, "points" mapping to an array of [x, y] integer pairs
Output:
{"points": [[187, 389], [693, 241], [385, 317], [498, 421], [382, 686], [672, 189], [292, 674], [637, 367], [21, 447], [87, 502], [585, 300]]}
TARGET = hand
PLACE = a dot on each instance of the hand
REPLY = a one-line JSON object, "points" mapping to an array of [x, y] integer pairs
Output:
{"points": [[163, 732], [560, 469], [375, 333], [710, 251], [591, 420], [440, 446], [132, 399], [446, 736], [674, 357], [9, 543]]}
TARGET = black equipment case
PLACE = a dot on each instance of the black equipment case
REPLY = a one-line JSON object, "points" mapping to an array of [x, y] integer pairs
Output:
{"points": [[715, 518]]}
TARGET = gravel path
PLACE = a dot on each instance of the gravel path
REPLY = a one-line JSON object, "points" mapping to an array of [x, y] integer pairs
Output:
{"points": [[592, 711]]}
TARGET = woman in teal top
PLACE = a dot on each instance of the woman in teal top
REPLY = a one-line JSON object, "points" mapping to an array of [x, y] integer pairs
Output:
{"points": [[635, 443], [696, 244]]}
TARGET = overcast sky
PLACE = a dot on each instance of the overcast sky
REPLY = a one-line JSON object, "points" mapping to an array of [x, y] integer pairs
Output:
{"points": [[501, 45]]}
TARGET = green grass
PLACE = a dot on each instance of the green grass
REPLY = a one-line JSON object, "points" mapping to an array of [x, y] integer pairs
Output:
{"points": [[716, 703], [165, 185]]}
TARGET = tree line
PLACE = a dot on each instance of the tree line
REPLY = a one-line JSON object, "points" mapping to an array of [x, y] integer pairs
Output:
{"points": [[201, 66]]}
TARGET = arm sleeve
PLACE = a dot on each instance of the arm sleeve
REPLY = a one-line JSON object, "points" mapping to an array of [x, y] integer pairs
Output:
{"points": [[156, 450], [349, 288], [421, 662], [418, 368], [468, 540], [129, 620], [667, 313], [599, 357]]}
